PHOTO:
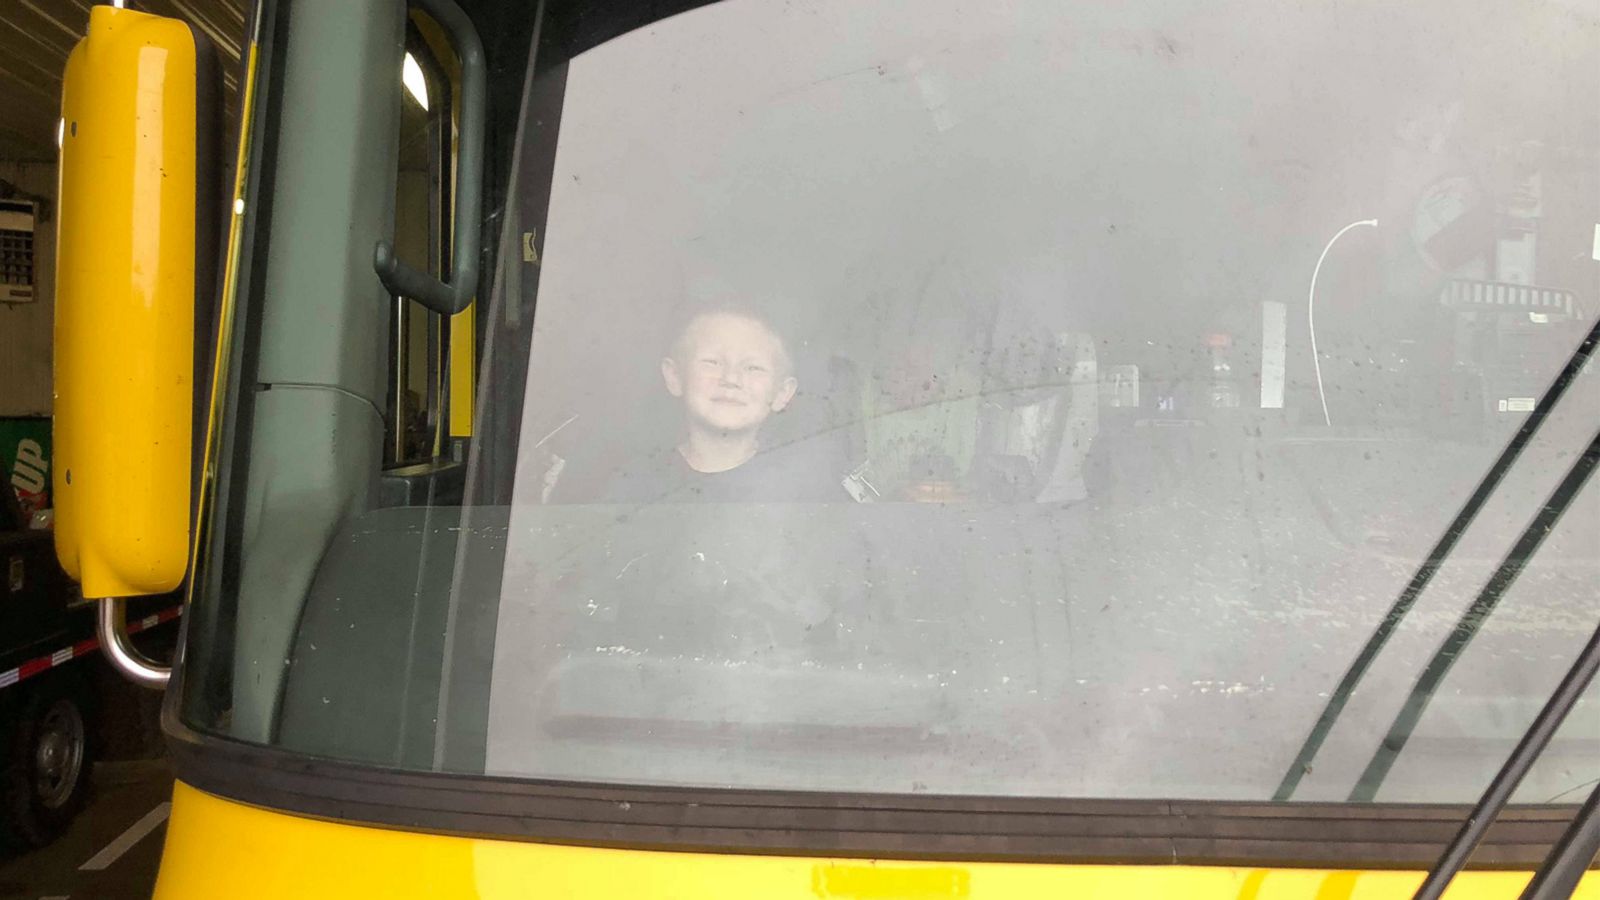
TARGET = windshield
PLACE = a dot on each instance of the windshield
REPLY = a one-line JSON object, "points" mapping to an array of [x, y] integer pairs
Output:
{"points": [[904, 397]]}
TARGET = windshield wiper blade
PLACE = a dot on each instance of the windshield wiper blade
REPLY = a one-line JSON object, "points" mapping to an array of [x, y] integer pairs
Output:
{"points": [[1471, 622], [1534, 740], [1434, 561]]}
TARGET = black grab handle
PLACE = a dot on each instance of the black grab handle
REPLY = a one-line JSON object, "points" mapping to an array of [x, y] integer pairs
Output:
{"points": [[401, 279]]}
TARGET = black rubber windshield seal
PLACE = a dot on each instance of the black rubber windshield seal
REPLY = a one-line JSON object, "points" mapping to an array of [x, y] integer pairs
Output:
{"points": [[915, 827]]}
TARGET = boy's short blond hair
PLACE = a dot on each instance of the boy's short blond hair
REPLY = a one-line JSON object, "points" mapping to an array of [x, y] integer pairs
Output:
{"points": [[678, 348]]}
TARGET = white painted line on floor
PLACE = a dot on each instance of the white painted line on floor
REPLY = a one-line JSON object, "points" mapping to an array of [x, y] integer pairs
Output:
{"points": [[125, 841]]}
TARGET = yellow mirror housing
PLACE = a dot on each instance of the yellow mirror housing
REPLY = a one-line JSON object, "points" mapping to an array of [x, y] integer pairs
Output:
{"points": [[125, 304]]}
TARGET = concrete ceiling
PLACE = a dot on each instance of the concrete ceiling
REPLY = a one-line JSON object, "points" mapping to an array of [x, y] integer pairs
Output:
{"points": [[37, 35]]}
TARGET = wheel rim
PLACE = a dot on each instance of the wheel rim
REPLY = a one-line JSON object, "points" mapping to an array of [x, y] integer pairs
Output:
{"points": [[58, 754]]}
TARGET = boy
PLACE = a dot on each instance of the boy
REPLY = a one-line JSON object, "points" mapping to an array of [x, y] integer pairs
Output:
{"points": [[731, 371]]}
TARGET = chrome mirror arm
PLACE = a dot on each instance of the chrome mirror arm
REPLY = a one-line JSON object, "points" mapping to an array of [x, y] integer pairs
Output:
{"points": [[111, 627]]}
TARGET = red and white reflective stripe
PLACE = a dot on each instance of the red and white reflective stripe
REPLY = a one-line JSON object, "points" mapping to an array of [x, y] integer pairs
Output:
{"points": [[81, 649], [166, 615]]}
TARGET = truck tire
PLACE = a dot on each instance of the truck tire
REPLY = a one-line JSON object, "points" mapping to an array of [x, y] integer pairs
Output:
{"points": [[44, 770]]}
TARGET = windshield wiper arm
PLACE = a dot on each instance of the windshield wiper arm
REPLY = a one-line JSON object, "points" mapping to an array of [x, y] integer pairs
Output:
{"points": [[1585, 830], [1471, 622], [1570, 858], [1430, 566]]}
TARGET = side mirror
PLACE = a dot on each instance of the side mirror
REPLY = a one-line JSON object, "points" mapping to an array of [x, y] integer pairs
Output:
{"points": [[126, 277]]}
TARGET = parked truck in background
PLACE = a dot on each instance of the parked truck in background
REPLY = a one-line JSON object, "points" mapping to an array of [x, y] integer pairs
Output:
{"points": [[56, 694]]}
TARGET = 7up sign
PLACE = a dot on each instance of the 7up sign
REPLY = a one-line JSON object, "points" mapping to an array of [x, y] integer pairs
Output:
{"points": [[25, 461]]}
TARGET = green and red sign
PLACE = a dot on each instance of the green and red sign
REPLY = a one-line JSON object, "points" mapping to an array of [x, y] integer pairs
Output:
{"points": [[25, 460]]}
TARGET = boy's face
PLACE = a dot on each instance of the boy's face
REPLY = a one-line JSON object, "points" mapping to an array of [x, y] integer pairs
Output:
{"points": [[731, 371]]}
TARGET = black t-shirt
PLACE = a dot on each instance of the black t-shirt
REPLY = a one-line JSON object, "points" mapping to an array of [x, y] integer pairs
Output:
{"points": [[784, 475]]}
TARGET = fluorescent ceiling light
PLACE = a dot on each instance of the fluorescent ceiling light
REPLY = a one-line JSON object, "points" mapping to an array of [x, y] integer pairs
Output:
{"points": [[416, 85]]}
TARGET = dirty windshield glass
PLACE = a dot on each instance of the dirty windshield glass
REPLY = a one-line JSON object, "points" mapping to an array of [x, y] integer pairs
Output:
{"points": [[921, 399], [1014, 399]]}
